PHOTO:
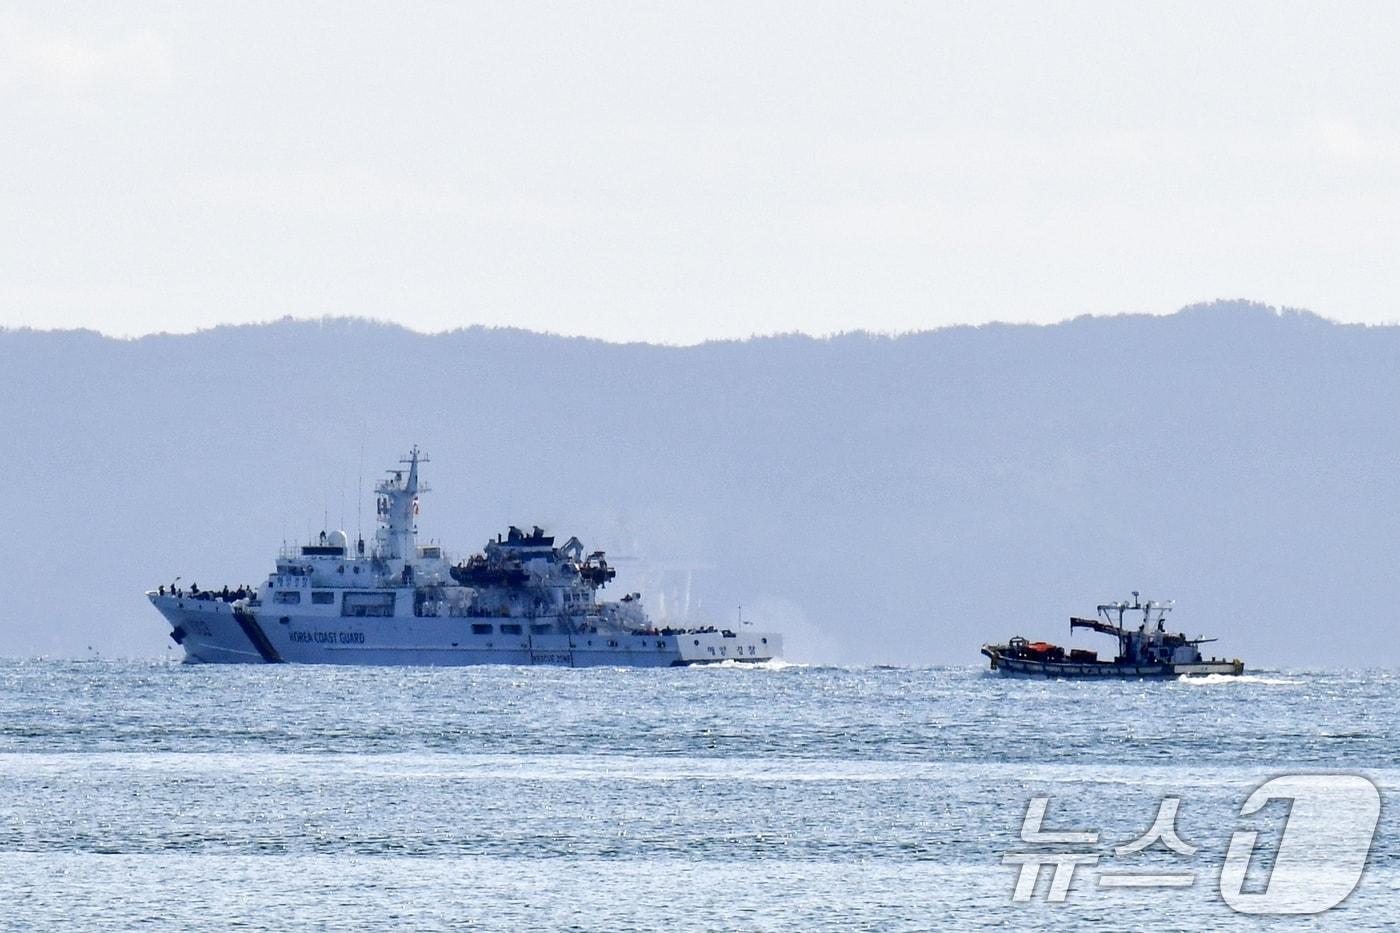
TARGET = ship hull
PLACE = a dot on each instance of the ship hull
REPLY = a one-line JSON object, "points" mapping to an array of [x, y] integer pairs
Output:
{"points": [[214, 631], [1104, 670]]}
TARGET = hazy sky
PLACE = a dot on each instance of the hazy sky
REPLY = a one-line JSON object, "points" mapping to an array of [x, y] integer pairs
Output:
{"points": [[677, 172]]}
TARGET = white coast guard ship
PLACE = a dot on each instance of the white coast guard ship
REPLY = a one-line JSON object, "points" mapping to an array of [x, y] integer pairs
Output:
{"points": [[522, 600]]}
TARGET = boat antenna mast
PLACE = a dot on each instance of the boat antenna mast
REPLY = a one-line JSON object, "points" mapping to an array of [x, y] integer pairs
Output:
{"points": [[360, 500], [397, 509]]}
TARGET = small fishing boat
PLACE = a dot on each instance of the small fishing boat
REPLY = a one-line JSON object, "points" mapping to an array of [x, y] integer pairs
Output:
{"points": [[1144, 650]]}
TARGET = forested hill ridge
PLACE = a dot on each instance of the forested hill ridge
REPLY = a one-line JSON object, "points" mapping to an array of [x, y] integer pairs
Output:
{"points": [[881, 499]]}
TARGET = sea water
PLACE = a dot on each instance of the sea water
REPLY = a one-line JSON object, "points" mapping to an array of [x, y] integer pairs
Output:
{"points": [[151, 795]]}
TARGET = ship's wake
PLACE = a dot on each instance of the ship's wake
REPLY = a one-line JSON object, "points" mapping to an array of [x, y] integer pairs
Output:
{"points": [[774, 664], [1210, 680]]}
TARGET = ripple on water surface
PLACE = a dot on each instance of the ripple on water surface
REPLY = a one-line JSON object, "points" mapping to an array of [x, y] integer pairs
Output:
{"points": [[775, 797]]}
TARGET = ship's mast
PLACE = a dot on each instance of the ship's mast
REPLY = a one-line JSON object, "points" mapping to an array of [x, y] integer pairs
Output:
{"points": [[1131, 642], [397, 508]]}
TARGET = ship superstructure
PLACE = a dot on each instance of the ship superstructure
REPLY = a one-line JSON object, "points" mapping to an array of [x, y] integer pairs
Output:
{"points": [[1145, 649], [521, 600]]}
